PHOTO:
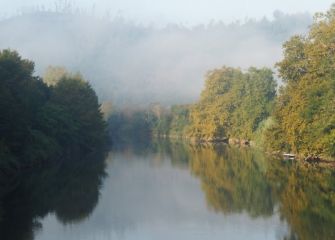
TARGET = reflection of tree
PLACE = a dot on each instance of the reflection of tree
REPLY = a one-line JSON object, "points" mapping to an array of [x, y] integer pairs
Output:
{"points": [[70, 190], [233, 180], [236, 180], [80, 192], [158, 151], [307, 199], [177, 152]]}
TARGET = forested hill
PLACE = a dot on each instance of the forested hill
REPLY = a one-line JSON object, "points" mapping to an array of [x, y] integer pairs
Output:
{"points": [[167, 63]]}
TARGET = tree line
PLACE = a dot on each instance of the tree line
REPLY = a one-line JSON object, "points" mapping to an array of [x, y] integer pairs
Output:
{"points": [[298, 116]]}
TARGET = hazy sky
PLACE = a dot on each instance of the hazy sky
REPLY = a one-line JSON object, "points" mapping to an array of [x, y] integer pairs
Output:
{"points": [[179, 11]]}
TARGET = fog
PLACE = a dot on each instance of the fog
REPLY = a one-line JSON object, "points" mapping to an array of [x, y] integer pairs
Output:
{"points": [[132, 63], [187, 12]]}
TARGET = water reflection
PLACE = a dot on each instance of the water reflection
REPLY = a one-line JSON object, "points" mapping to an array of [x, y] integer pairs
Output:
{"points": [[166, 190], [234, 180], [70, 191], [237, 180], [307, 199]]}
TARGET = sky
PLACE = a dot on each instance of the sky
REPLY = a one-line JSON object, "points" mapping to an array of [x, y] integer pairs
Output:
{"points": [[189, 12]]}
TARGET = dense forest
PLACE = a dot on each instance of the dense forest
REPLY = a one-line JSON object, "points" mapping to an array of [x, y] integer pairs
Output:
{"points": [[246, 106], [43, 122]]}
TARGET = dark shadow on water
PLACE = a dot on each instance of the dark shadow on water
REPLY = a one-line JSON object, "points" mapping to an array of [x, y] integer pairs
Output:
{"points": [[70, 191]]}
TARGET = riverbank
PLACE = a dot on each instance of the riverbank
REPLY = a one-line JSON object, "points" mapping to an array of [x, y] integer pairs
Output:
{"points": [[311, 159]]}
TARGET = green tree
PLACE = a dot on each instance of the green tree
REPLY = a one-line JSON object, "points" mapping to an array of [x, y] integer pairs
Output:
{"points": [[79, 104], [305, 109], [22, 95], [233, 104], [40, 123]]}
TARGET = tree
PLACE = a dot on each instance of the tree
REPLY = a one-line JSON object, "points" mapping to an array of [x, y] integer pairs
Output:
{"points": [[305, 108], [22, 95], [52, 75], [80, 104], [40, 123], [233, 103]]}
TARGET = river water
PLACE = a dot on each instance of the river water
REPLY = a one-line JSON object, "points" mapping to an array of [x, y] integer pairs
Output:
{"points": [[173, 191]]}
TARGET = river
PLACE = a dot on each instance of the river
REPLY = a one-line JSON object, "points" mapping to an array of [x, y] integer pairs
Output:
{"points": [[165, 190]]}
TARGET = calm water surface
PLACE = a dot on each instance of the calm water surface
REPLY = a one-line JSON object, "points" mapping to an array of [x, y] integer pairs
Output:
{"points": [[173, 191]]}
